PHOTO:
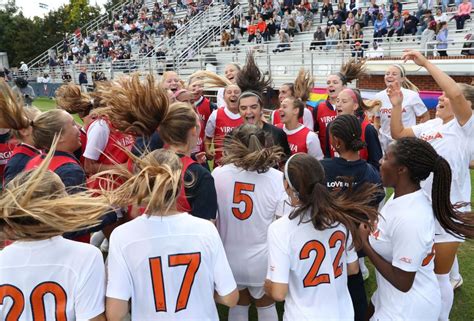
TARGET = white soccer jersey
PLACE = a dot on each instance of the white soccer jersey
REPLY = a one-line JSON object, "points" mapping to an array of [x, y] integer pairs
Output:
{"points": [[314, 265], [52, 279], [404, 237], [247, 203], [412, 107], [169, 266]]}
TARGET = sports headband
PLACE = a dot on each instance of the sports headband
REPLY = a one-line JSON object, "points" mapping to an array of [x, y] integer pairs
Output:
{"points": [[286, 172], [402, 70], [352, 94]]}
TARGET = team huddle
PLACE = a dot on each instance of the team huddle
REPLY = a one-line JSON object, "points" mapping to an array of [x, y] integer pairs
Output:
{"points": [[195, 203]]}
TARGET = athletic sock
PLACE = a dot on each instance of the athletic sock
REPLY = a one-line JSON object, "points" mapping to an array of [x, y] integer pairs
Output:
{"points": [[454, 274], [268, 313], [447, 296], [355, 284], [239, 313]]}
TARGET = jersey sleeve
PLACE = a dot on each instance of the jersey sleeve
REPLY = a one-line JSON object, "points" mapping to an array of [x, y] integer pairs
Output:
{"points": [[97, 138], [308, 120], [468, 128], [73, 178], [418, 105], [211, 125], [314, 146], [202, 194], [315, 119], [90, 297], [374, 148], [278, 255], [223, 278], [420, 128], [119, 279], [272, 118], [410, 245]]}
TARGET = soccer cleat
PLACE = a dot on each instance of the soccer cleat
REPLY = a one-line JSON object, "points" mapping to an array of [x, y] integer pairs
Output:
{"points": [[456, 283]]}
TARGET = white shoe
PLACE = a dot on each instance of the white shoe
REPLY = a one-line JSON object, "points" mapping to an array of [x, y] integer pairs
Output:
{"points": [[456, 283]]}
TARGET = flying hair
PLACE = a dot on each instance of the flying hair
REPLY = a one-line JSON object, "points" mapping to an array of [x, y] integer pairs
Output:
{"points": [[72, 99], [35, 205], [246, 148], [209, 79], [351, 70], [133, 106], [155, 182], [31, 113], [250, 78], [12, 113], [407, 84], [304, 83]]}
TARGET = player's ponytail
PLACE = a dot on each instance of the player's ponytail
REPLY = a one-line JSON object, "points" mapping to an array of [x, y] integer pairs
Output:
{"points": [[351, 70], [304, 83], [154, 184], [419, 167], [347, 128], [175, 126], [250, 78], [12, 112], [72, 99], [246, 148], [133, 106], [406, 83], [35, 205], [208, 79], [305, 176]]}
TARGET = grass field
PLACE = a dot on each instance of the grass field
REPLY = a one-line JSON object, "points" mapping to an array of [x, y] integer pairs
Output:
{"points": [[463, 308]]}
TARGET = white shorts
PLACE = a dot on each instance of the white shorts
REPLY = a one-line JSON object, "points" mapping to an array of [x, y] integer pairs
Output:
{"points": [[256, 292], [441, 236]]}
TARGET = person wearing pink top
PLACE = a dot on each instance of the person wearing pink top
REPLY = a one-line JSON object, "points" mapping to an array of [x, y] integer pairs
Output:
{"points": [[463, 14]]}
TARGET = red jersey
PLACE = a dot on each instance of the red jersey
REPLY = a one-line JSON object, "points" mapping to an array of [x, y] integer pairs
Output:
{"points": [[224, 125], [113, 152], [325, 114], [6, 147], [204, 110], [182, 202], [297, 141], [363, 153]]}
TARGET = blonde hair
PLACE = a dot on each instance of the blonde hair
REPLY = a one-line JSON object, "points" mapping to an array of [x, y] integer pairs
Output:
{"points": [[14, 116], [156, 183], [70, 98], [304, 83], [246, 149], [468, 92], [35, 205], [179, 119], [134, 106], [209, 79], [407, 84], [31, 113]]}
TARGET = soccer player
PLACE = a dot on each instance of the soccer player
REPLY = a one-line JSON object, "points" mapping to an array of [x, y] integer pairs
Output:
{"points": [[250, 196], [171, 265], [310, 251], [300, 138]]}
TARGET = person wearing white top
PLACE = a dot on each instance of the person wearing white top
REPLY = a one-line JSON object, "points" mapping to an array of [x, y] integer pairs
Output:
{"points": [[250, 196], [450, 134], [412, 105], [311, 250], [230, 72], [42, 275], [171, 265]]}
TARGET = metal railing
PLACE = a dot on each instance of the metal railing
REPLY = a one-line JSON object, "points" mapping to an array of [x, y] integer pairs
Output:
{"points": [[44, 57]]}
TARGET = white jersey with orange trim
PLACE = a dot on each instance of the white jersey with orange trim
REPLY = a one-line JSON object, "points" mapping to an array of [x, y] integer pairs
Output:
{"points": [[169, 266], [303, 140], [247, 204], [314, 265], [52, 279], [412, 107], [404, 237]]}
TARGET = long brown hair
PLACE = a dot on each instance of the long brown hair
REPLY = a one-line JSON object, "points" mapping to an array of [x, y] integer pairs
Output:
{"points": [[72, 99], [245, 148], [351, 70], [305, 176]]}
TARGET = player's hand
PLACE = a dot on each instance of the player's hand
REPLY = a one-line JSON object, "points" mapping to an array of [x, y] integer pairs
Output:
{"points": [[364, 232], [395, 94], [416, 56], [201, 157], [210, 154]]}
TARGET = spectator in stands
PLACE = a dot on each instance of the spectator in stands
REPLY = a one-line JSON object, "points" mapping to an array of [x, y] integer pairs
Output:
{"points": [[427, 39], [291, 27], [271, 28], [463, 14], [468, 48], [372, 13], [284, 43], [83, 77], [23, 69], [308, 20], [350, 21], [338, 20], [396, 5], [376, 51], [235, 25], [319, 39], [359, 18], [288, 5], [426, 18], [277, 20], [353, 7], [251, 30], [410, 23], [299, 19], [332, 38], [396, 25], [326, 10], [423, 5], [344, 37], [4, 73], [314, 7], [244, 24], [358, 51], [234, 39], [357, 33], [440, 16], [262, 27], [442, 39], [380, 27], [342, 8], [225, 39]]}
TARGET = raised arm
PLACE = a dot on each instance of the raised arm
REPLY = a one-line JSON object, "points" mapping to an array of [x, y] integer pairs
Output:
{"points": [[460, 105], [397, 130]]}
